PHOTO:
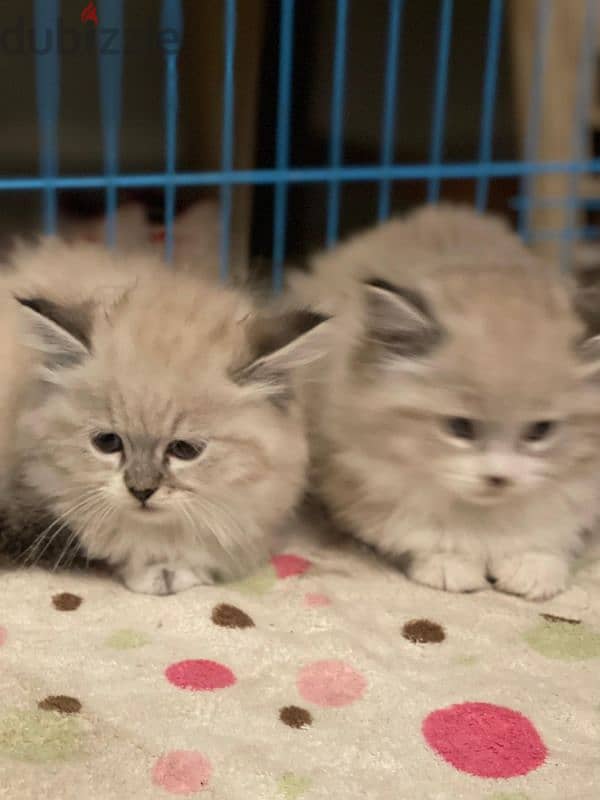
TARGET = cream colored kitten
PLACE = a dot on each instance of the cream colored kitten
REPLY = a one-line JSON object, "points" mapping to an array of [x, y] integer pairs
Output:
{"points": [[195, 233], [456, 423], [151, 416]]}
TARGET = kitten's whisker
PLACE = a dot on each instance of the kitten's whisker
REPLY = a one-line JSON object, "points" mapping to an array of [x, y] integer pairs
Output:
{"points": [[104, 510], [63, 522], [221, 523], [39, 538]]}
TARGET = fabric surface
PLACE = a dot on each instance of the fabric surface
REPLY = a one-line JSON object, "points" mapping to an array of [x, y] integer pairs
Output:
{"points": [[325, 675]]}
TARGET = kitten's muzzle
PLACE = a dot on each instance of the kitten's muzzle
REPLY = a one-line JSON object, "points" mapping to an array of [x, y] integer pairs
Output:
{"points": [[142, 480], [492, 489], [143, 495], [497, 482]]}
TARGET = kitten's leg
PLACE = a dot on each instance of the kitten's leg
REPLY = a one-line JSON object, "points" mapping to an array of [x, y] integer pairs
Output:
{"points": [[450, 571], [160, 578], [536, 576]]}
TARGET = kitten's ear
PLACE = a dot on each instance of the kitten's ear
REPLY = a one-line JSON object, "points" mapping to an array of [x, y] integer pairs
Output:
{"points": [[60, 333], [585, 289], [282, 343], [400, 320], [589, 353]]}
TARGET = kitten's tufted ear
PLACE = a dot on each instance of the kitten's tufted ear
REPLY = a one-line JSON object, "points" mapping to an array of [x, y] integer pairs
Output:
{"points": [[60, 333], [585, 288], [585, 293], [400, 320], [283, 342]]}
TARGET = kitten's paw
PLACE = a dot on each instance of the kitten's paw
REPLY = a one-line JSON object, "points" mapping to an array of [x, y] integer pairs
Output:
{"points": [[448, 571], [535, 576], [159, 579]]}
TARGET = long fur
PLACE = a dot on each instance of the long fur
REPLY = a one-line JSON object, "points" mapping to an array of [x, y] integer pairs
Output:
{"points": [[168, 357], [505, 349]]}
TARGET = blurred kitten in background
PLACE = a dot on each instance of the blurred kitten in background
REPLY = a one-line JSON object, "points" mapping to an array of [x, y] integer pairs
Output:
{"points": [[195, 232], [455, 424], [147, 417]]}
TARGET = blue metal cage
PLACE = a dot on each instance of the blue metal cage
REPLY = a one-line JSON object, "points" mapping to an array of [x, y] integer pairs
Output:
{"points": [[337, 172]]}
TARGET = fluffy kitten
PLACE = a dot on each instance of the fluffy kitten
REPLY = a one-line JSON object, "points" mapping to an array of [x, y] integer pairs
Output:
{"points": [[152, 417], [195, 233], [456, 424]]}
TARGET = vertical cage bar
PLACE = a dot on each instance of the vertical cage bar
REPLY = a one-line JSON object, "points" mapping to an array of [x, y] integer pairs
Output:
{"points": [[171, 37], [337, 118], [388, 123], [284, 100], [585, 79], [48, 101], [544, 12], [440, 96], [228, 131], [110, 62], [490, 83]]}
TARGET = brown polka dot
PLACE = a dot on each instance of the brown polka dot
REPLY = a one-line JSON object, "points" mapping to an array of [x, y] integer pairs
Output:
{"points": [[295, 717], [66, 601], [554, 618], [62, 703], [231, 617], [423, 630]]}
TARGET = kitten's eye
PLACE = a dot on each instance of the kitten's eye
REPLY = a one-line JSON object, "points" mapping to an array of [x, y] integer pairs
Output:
{"points": [[184, 451], [539, 430], [461, 427], [108, 442]]}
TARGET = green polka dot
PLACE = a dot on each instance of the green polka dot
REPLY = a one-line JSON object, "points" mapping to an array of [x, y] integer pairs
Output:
{"points": [[126, 639], [466, 661], [564, 641], [579, 564], [39, 736], [291, 786], [259, 583]]}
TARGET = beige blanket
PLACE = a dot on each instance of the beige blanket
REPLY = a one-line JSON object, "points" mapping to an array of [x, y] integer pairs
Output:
{"points": [[326, 675]]}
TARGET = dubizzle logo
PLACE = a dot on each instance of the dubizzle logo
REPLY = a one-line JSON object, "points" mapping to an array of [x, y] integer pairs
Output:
{"points": [[90, 13]]}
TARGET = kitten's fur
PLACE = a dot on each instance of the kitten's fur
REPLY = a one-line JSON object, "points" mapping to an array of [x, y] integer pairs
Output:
{"points": [[445, 314], [196, 235], [155, 357]]}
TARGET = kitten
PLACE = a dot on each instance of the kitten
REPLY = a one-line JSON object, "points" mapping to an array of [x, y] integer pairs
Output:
{"points": [[196, 233], [132, 227], [155, 422], [456, 423]]}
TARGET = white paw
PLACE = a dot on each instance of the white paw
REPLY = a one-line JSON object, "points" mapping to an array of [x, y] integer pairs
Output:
{"points": [[535, 576], [448, 571], [160, 579]]}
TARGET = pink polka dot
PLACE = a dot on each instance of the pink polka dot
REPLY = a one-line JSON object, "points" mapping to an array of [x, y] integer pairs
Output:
{"points": [[3, 635], [200, 675], [182, 772], [316, 599], [485, 740], [331, 683], [287, 565]]}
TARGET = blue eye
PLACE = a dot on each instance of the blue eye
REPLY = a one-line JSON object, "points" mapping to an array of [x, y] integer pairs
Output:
{"points": [[108, 442], [184, 451]]}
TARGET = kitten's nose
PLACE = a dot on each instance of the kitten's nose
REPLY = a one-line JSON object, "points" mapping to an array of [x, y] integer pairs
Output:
{"points": [[142, 494], [497, 481]]}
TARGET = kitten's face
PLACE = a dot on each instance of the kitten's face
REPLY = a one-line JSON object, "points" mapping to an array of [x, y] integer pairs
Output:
{"points": [[481, 389], [488, 461], [150, 454], [178, 429]]}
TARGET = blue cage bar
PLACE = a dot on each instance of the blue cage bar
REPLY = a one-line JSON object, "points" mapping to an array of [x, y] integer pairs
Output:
{"points": [[336, 173]]}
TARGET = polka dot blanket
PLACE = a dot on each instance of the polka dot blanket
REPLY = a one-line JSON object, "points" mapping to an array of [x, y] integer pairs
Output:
{"points": [[324, 675]]}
